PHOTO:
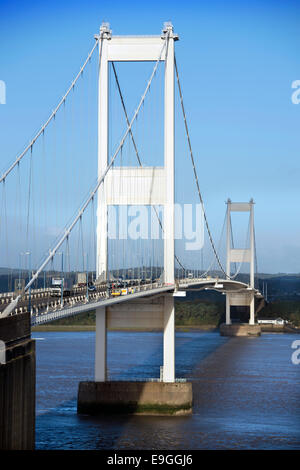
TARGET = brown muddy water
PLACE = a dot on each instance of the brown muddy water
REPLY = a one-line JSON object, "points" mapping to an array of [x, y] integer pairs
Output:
{"points": [[246, 392]]}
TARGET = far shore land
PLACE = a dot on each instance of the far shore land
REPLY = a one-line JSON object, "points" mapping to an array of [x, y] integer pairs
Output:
{"points": [[93, 327], [198, 315], [185, 328]]}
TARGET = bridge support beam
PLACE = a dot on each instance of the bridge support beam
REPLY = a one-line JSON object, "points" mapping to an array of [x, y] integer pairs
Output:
{"points": [[169, 340], [228, 317], [101, 345], [252, 310], [169, 128]]}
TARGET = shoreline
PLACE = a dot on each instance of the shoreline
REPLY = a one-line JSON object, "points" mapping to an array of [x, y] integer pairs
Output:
{"points": [[183, 328], [66, 328]]}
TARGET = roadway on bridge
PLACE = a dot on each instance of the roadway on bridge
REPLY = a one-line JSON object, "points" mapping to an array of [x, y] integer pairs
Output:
{"points": [[46, 307]]}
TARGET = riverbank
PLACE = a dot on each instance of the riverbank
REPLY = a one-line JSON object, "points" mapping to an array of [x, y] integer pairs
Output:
{"points": [[279, 329], [184, 328]]}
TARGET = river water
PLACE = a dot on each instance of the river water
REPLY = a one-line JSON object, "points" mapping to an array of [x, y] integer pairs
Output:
{"points": [[246, 392]]}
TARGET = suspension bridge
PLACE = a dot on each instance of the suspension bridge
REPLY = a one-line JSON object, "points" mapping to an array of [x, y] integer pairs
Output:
{"points": [[76, 243]]}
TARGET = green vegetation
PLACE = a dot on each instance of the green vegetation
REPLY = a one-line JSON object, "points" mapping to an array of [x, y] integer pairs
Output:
{"points": [[286, 309], [199, 313], [83, 322], [191, 313], [84, 319], [188, 313], [51, 327]]}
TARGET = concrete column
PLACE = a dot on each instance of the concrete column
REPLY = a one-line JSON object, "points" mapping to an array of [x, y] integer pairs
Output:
{"points": [[169, 340], [228, 318], [252, 310], [100, 345], [252, 247], [169, 244], [228, 243], [101, 261], [252, 266], [228, 238]]}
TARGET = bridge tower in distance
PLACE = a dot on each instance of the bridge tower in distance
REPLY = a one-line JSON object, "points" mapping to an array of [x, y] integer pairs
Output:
{"points": [[236, 255]]}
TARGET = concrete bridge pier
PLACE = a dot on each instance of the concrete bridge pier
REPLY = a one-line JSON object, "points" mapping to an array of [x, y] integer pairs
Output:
{"points": [[161, 396], [240, 329]]}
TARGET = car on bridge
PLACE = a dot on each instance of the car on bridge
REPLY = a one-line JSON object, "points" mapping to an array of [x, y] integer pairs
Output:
{"points": [[56, 291], [91, 286]]}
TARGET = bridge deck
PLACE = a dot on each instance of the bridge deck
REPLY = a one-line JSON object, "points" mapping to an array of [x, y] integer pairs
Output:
{"points": [[47, 309], [88, 306]]}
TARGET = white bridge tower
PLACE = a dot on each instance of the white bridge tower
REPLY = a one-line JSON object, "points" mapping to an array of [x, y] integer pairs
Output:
{"points": [[157, 185], [246, 255]]}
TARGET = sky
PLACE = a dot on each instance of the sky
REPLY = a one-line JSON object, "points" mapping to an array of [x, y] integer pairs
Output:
{"points": [[237, 62]]}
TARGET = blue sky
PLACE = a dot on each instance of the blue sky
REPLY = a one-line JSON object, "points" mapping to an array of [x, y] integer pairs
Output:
{"points": [[237, 61]]}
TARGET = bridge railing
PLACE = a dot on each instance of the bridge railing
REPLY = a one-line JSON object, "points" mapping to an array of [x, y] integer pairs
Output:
{"points": [[41, 312]]}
